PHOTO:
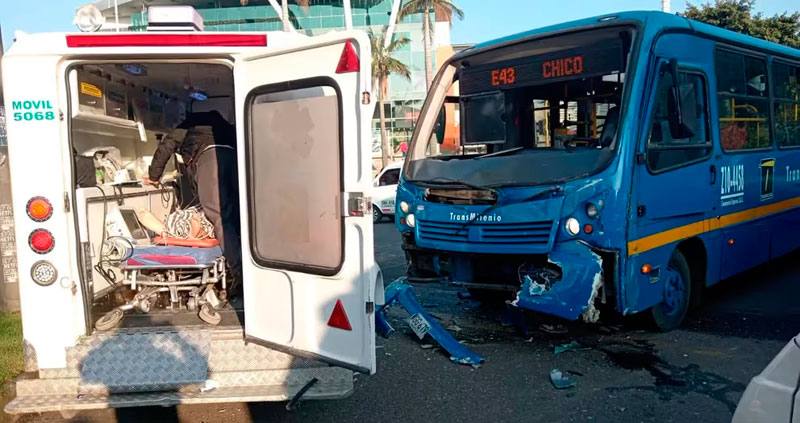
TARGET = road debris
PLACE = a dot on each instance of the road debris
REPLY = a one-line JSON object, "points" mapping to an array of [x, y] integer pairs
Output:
{"points": [[560, 380], [422, 323], [572, 346], [553, 329]]}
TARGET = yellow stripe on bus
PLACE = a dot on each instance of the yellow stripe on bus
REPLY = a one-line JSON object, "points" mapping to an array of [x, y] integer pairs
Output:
{"points": [[686, 231]]}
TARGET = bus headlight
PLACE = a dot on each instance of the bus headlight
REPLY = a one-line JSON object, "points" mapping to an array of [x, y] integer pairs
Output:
{"points": [[573, 226], [43, 273], [591, 210], [411, 220], [404, 207]]}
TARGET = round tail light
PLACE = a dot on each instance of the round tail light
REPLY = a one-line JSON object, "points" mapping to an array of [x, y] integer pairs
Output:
{"points": [[43, 273], [39, 209], [41, 241]]}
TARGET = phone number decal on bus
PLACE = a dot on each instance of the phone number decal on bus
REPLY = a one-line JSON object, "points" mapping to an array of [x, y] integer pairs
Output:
{"points": [[32, 110]]}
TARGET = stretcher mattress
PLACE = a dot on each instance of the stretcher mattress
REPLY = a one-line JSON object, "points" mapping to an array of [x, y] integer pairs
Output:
{"points": [[159, 256]]}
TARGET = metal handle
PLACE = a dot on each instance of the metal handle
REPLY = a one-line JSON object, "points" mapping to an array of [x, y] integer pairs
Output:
{"points": [[713, 170]]}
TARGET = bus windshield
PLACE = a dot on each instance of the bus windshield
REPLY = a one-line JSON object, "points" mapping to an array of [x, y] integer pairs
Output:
{"points": [[542, 112]]}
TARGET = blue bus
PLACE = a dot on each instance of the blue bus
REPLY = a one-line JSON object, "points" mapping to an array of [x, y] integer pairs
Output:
{"points": [[629, 160]]}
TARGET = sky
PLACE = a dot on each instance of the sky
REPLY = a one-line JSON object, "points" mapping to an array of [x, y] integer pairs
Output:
{"points": [[484, 19]]}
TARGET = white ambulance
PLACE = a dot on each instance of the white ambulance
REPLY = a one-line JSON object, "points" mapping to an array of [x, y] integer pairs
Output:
{"points": [[115, 316]]}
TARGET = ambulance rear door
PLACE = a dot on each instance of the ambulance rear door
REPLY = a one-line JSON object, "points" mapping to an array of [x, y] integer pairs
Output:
{"points": [[305, 164]]}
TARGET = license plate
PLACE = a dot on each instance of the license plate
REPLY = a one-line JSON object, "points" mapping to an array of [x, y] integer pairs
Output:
{"points": [[419, 325], [388, 204]]}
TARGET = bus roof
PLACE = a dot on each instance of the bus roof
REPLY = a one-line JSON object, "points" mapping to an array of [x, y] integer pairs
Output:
{"points": [[660, 20]]}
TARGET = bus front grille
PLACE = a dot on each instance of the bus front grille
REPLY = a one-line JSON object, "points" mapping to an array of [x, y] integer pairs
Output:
{"points": [[525, 233]]}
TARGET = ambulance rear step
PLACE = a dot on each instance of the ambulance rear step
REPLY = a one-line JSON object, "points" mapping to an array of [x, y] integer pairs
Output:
{"points": [[146, 367]]}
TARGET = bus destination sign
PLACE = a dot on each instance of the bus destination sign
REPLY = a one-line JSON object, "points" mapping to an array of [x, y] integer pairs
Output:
{"points": [[590, 60]]}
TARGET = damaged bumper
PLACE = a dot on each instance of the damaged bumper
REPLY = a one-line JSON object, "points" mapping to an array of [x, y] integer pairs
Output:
{"points": [[574, 293]]}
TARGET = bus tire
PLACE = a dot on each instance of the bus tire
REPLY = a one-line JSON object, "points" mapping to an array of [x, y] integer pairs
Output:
{"points": [[377, 215], [670, 313]]}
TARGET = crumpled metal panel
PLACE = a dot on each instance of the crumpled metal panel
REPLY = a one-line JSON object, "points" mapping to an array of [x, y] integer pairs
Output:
{"points": [[138, 362], [571, 296], [333, 383]]}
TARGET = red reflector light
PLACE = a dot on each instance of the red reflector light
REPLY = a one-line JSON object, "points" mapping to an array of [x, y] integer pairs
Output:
{"points": [[349, 61], [41, 241], [167, 40], [39, 209], [646, 268], [588, 228], [339, 317]]}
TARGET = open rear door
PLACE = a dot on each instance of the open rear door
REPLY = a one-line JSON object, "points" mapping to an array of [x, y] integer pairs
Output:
{"points": [[309, 269]]}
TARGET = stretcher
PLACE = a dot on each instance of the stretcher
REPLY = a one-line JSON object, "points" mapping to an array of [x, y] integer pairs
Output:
{"points": [[188, 274]]}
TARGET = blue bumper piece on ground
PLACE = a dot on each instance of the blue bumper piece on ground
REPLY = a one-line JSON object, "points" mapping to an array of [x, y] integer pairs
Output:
{"points": [[399, 291], [574, 293]]}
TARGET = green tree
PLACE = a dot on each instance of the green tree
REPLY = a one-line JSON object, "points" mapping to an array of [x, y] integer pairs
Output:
{"points": [[440, 7], [383, 65], [737, 15]]}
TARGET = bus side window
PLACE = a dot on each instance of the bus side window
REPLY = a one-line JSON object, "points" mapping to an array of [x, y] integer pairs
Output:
{"points": [[787, 104], [743, 99], [665, 152]]}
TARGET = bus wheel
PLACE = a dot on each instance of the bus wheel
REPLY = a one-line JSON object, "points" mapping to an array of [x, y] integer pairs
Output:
{"points": [[377, 216], [677, 294]]}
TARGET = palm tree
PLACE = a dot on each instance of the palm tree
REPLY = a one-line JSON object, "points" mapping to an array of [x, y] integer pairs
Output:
{"points": [[383, 65], [441, 7]]}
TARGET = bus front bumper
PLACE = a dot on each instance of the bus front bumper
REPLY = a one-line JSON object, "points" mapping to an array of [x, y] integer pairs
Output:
{"points": [[564, 282], [574, 294]]}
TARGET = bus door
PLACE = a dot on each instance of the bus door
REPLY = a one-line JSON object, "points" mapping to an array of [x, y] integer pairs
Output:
{"points": [[306, 225], [676, 179]]}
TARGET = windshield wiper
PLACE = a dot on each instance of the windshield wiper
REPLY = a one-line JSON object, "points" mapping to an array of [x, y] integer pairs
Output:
{"points": [[540, 194], [501, 153]]}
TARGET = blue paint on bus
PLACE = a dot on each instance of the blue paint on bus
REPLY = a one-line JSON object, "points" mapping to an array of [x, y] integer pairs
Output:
{"points": [[725, 196]]}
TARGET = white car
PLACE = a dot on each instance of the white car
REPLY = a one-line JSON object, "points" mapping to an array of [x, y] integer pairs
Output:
{"points": [[384, 191], [773, 395]]}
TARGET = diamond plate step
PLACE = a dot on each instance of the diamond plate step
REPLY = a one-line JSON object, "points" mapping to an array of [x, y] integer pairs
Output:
{"points": [[227, 351], [46, 395]]}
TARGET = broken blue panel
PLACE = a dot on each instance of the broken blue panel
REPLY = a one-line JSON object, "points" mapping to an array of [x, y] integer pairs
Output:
{"points": [[574, 293], [382, 325], [403, 293]]}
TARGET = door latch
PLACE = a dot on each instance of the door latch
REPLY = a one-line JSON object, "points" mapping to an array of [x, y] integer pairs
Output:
{"points": [[358, 204], [641, 211]]}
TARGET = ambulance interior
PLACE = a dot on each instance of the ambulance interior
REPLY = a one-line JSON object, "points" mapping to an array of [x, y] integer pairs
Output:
{"points": [[148, 259]]}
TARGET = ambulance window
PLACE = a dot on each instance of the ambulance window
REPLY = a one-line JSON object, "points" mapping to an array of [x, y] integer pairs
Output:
{"points": [[294, 177]]}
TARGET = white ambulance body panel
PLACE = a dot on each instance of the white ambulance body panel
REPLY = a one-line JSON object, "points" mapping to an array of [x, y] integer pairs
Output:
{"points": [[289, 307]]}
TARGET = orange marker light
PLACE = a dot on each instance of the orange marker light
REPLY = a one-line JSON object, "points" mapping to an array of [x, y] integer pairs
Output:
{"points": [[588, 228], [731, 241], [646, 268], [39, 209]]}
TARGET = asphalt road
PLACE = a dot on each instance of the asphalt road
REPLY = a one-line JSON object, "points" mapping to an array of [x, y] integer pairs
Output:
{"points": [[623, 373]]}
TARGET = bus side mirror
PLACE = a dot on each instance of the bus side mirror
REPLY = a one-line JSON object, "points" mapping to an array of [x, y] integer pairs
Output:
{"points": [[682, 106], [439, 126]]}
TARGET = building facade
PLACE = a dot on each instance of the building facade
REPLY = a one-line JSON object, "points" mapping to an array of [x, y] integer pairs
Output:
{"points": [[405, 96]]}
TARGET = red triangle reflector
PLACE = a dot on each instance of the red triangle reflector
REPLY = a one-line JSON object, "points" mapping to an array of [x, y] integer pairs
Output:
{"points": [[339, 317], [349, 61]]}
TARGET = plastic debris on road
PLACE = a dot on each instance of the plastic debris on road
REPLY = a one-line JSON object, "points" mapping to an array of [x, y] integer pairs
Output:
{"points": [[422, 323], [572, 346], [560, 380]]}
